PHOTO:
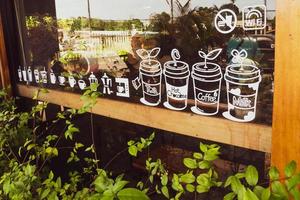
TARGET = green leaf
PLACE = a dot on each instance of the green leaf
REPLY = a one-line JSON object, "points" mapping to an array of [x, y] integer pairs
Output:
{"points": [[274, 173], [45, 193], [210, 157], [119, 186], [295, 193], [202, 189], [165, 191], [197, 156], [228, 181], [279, 189], [30, 146], [266, 194], [133, 150], [190, 188], [190, 163], [188, 178], [131, 142], [204, 164], [293, 181], [290, 169], [203, 147], [164, 179], [203, 179], [249, 195], [236, 184], [240, 175], [258, 190], [229, 196], [251, 175], [132, 194]]}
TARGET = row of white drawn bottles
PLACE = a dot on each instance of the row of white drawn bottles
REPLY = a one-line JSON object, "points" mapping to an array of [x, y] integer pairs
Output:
{"points": [[28, 75]]}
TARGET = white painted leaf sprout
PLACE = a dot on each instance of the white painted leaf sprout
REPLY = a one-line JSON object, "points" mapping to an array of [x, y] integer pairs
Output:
{"points": [[239, 56], [210, 56], [175, 56], [148, 54]]}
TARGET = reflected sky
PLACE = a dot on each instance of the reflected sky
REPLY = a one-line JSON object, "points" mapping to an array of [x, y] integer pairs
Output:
{"points": [[142, 9]]}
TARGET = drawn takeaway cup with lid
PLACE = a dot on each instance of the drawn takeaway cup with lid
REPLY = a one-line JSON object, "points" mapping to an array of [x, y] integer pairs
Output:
{"points": [[150, 73], [242, 81], [207, 77], [177, 80]]}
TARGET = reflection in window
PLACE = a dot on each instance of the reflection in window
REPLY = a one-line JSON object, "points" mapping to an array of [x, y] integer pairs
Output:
{"points": [[84, 36]]}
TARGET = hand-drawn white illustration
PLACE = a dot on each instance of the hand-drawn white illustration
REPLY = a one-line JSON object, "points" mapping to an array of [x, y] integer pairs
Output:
{"points": [[72, 81], [61, 80], [122, 87], [93, 79], [242, 81], [52, 78], [107, 84], [150, 74], [44, 77], [36, 75], [255, 17], [29, 74], [24, 72], [207, 77], [177, 80], [82, 84], [136, 83], [225, 21], [20, 74]]}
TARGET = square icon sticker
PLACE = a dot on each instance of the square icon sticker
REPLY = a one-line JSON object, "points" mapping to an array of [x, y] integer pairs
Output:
{"points": [[254, 17]]}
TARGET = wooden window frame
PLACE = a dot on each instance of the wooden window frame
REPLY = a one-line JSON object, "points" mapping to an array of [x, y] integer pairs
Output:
{"points": [[282, 140]]}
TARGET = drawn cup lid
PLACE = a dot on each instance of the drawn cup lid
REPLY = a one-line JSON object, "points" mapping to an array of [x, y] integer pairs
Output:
{"points": [[207, 71]]}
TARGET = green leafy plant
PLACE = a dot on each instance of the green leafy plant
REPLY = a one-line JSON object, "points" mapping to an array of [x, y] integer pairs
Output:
{"points": [[28, 144], [199, 178], [24, 171], [245, 185]]}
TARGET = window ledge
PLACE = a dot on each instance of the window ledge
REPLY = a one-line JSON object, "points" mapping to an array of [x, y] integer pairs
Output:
{"points": [[246, 135]]}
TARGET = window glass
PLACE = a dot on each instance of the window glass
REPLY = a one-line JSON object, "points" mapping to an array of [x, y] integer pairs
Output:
{"points": [[210, 58]]}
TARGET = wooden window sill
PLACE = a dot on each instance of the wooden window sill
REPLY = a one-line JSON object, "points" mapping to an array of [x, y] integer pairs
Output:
{"points": [[246, 135]]}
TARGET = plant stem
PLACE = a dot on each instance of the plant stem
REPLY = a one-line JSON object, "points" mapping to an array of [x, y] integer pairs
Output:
{"points": [[93, 138], [62, 133], [116, 156]]}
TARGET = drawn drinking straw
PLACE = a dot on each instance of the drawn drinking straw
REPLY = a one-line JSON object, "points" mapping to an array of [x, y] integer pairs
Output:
{"points": [[207, 77], [177, 80], [150, 76], [242, 82]]}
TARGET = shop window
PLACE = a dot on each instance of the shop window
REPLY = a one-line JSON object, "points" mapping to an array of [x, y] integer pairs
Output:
{"points": [[190, 47]]}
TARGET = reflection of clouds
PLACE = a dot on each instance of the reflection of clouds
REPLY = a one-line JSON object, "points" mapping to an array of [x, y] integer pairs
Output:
{"points": [[116, 9]]}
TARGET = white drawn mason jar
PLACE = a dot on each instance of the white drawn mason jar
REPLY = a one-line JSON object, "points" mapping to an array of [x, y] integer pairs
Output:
{"points": [[242, 84], [207, 79], [151, 76], [177, 80]]}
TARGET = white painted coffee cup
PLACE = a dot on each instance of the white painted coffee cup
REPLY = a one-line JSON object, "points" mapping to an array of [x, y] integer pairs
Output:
{"points": [[72, 81], [82, 84], [61, 80]]}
